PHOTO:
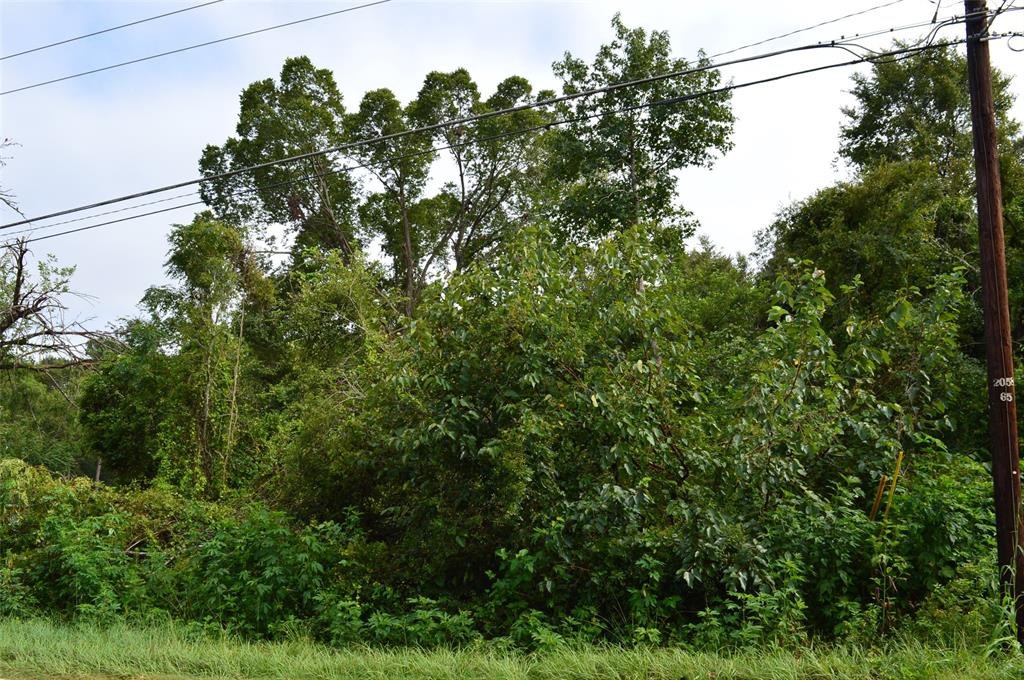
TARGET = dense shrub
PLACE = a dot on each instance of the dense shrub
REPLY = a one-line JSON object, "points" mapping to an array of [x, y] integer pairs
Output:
{"points": [[564, 436], [568, 443]]}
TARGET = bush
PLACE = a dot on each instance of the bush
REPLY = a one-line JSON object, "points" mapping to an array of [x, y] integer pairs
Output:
{"points": [[255, 574]]}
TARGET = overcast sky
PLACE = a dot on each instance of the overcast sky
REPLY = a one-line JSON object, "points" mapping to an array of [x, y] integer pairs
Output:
{"points": [[142, 126]]}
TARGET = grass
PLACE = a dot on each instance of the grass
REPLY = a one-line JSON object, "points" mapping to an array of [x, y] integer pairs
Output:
{"points": [[41, 649]]}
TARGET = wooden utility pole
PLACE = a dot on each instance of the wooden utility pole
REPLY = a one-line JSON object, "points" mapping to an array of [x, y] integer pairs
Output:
{"points": [[998, 346]]}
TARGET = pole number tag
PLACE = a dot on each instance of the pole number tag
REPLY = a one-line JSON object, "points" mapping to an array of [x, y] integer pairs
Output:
{"points": [[1004, 382]]}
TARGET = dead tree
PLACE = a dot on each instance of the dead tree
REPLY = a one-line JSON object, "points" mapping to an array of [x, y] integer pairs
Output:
{"points": [[34, 331]]}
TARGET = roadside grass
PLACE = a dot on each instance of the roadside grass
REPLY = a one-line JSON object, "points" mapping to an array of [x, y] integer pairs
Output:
{"points": [[42, 649]]}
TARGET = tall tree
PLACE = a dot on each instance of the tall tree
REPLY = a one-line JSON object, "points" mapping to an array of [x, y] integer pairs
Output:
{"points": [[907, 213], [896, 226], [919, 108], [424, 236], [612, 167], [301, 113], [494, 159], [198, 437], [401, 166]]}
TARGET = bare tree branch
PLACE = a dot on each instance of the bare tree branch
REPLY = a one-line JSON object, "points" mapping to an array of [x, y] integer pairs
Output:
{"points": [[34, 333]]}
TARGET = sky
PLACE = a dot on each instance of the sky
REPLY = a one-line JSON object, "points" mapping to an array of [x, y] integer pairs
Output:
{"points": [[142, 126]]}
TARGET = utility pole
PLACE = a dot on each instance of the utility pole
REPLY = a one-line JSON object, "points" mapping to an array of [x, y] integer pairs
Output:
{"points": [[998, 345]]}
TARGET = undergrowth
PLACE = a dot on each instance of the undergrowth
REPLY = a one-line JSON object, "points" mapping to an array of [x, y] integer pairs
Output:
{"points": [[36, 647]]}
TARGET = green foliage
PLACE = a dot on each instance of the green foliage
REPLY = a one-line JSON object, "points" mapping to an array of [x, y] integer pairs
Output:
{"points": [[36, 423], [908, 213], [896, 227], [497, 167], [769, 618], [32, 327], [611, 168], [620, 457], [300, 113], [919, 108], [967, 608], [83, 549], [178, 400], [631, 449], [124, 401], [73, 559], [537, 417], [256, 575]]}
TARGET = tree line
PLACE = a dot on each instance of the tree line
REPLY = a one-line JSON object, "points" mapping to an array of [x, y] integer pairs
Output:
{"points": [[492, 392]]}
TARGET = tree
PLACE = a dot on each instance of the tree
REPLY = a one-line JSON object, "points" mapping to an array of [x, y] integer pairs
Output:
{"points": [[495, 160], [205, 392], [38, 419], [919, 108], [123, 403], [612, 166], [421, 236], [907, 214], [34, 333], [425, 236], [32, 323], [895, 227], [525, 426], [300, 114], [401, 166]]}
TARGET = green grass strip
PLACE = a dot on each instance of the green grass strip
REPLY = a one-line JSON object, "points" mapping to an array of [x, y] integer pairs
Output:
{"points": [[41, 649]]}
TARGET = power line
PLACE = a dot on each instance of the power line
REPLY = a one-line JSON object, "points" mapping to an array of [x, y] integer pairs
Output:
{"points": [[898, 54], [806, 28], [108, 30], [109, 222], [193, 47], [843, 40], [935, 28], [470, 119], [992, 18], [428, 128], [103, 214]]}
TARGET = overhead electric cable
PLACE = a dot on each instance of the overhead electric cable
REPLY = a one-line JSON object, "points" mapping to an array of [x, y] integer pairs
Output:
{"points": [[193, 47], [109, 222], [1002, 8], [948, 21], [806, 28], [463, 121], [108, 30], [104, 213], [427, 128], [901, 53]]}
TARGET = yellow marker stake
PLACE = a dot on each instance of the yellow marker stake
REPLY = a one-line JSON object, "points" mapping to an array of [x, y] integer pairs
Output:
{"points": [[878, 497], [892, 489]]}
